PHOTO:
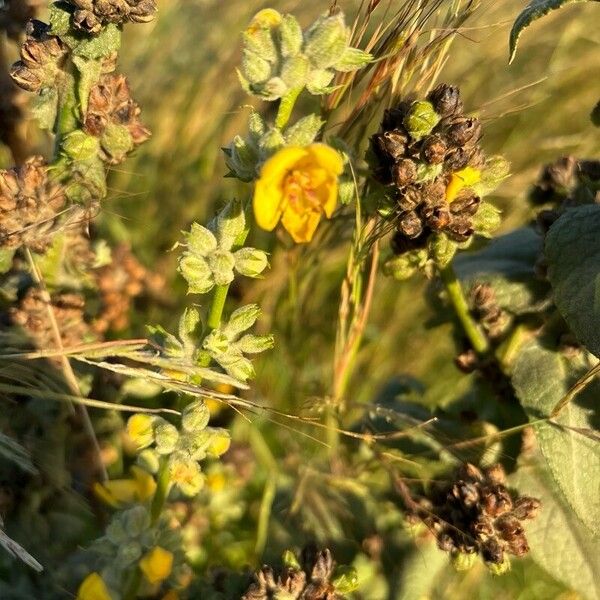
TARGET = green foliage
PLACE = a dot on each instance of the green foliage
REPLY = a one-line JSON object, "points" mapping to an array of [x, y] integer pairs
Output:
{"points": [[533, 11], [541, 378], [573, 253]]}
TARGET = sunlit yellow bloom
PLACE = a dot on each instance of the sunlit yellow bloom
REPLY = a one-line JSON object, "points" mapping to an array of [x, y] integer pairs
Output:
{"points": [[157, 564], [93, 588], [216, 482], [297, 186], [127, 491], [171, 595], [140, 428], [264, 19], [461, 179]]}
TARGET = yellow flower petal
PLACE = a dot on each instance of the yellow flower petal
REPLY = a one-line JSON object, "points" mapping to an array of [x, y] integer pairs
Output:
{"points": [[328, 158], [93, 588], [157, 565], [461, 179], [146, 486], [268, 194], [118, 492], [331, 197], [264, 19], [301, 227]]}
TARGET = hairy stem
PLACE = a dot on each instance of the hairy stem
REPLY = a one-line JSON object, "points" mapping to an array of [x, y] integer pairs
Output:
{"points": [[456, 295]]}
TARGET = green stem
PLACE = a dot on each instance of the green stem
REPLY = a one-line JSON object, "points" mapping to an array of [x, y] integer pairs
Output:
{"points": [[286, 106], [216, 308], [455, 292], [162, 490], [133, 585]]}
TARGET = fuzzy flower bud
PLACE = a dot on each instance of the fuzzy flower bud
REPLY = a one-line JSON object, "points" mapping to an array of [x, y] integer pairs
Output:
{"points": [[166, 437], [250, 262], [195, 416], [421, 119]]}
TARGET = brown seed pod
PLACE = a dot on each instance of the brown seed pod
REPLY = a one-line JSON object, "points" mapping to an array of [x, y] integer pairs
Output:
{"points": [[446, 100], [466, 204], [437, 216], [433, 149], [460, 228], [463, 131], [404, 172], [410, 225], [409, 198]]}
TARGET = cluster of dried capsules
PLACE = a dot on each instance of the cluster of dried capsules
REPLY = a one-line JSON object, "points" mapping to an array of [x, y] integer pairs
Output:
{"points": [[478, 515], [420, 146], [91, 15]]}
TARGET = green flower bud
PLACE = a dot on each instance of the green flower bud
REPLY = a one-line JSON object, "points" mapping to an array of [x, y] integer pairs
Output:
{"points": [[241, 319], [242, 159], [353, 59], [80, 146], [404, 266], [345, 579], [499, 568], [464, 561], [185, 473], [326, 41], [442, 249], [290, 560], [256, 126], [166, 436], [189, 322], [487, 219], [129, 552], [290, 34], [194, 443], [253, 344], [135, 520], [294, 71], [236, 365], [230, 223], [421, 119], [216, 342], [273, 89], [346, 191], [200, 240], [261, 43], [427, 172], [495, 170], [115, 532], [319, 81], [221, 263], [256, 69], [195, 416], [148, 459], [270, 142], [250, 262], [196, 271], [304, 131], [116, 142]]}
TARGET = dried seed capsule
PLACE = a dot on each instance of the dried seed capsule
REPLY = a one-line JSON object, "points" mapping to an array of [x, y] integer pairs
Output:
{"points": [[434, 192], [492, 551], [457, 159], [464, 131], [393, 143], [518, 546], [496, 500], [404, 172], [460, 229], [410, 225], [526, 507], [466, 204], [409, 198], [434, 148], [437, 216], [446, 100]]}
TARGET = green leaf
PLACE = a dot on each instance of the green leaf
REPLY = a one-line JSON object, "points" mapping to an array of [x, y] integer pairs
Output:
{"points": [[507, 264], [541, 378], [44, 108], [93, 47], [573, 255], [89, 74], [60, 19], [557, 541], [304, 131], [421, 570], [533, 11]]}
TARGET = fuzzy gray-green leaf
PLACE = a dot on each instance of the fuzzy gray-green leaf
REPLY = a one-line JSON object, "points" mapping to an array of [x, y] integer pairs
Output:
{"points": [[541, 378], [533, 11], [573, 255]]}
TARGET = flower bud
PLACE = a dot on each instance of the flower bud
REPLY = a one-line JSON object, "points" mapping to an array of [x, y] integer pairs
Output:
{"points": [[273, 89], [319, 80], [148, 459], [404, 266], [256, 69], [250, 262], [166, 437], [290, 561], [294, 71], [421, 119], [326, 41], [242, 319], [219, 443], [195, 416], [196, 271], [290, 34], [345, 579], [442, 249], [80, 146], [135, 520], [128, 552], [221, 264], [185, 473], [254, 344], [487, 219], [116, 143], [140, 428], [304, 131], [230, 223], [115, 532], [464, 561], [237, 366], [353, 59]]}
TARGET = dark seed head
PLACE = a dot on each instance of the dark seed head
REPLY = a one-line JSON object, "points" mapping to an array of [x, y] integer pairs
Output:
{"points": [[492, 551], [436, 217], [446, 100], [409, 198], [466, 204], [464, 131], [433, 149], [410, 225], [404, 172], [526, 507]]}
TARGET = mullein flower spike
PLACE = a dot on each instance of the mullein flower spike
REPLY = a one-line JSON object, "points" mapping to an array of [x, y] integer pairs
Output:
{"points": [[279, 58], [428, 158]]}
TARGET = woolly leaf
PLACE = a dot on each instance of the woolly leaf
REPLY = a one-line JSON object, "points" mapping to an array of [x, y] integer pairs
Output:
{"points": [[89, 74], [44, 108], [557, 541], [573, 255], [507, 264], [533, 11], [541, 378]]}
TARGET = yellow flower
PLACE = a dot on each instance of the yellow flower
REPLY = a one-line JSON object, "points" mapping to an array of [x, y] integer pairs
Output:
{"points": [[461, 179], [298, 185], [140, 428], [157, 564], [93, 588], [127, 491], [267, 18]]}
